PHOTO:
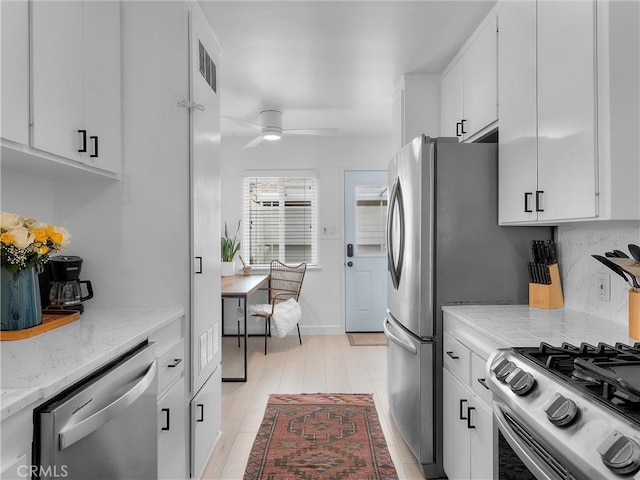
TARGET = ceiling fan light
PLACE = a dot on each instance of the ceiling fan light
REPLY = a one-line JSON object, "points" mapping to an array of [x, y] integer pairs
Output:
{"points": [[272, 136]]}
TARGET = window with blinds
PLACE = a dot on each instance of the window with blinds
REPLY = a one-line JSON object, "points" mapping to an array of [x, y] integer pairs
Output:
{"points": [[281, 213]]}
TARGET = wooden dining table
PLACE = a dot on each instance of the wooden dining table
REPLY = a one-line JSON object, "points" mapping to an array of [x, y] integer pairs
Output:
{"points": [[241, 287]]}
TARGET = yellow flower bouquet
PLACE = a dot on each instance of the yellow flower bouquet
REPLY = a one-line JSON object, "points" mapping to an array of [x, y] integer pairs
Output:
{"points": [[26, 243]]}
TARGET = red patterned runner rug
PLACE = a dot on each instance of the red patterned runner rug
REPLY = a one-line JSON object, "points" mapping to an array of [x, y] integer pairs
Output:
{"points": [[320, 436]]}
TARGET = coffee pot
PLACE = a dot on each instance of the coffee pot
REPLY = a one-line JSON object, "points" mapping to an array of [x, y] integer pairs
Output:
{"points": [[66, 286]]}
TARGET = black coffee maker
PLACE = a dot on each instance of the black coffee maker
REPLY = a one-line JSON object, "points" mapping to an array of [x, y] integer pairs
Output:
{"points": [[60, 283]]}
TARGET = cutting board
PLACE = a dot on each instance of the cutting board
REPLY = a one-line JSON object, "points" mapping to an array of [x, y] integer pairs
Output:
{"points": [[50, 319]]}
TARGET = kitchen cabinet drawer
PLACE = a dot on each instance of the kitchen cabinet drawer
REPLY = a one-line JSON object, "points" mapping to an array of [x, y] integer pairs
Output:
{"points": [[167, 336], [457, 358], [478, 373], [170, 366]]}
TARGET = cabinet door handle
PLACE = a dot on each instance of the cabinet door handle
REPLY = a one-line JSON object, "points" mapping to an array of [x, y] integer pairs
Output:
{"points": [[167, 419], [95, 146], [201, 407], [527, 195], [483, 382], [199, 269], [458, 127], [462, 402], [462, 124], [176, 362], [452, 355], [469, 417], [84, 141], [538, 200]]}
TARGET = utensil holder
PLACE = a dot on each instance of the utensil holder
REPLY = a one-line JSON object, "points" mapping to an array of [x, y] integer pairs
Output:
{"points": [[547, 296], [634, 314]]}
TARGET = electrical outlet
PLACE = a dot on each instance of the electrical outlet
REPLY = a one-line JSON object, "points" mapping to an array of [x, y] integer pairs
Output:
{"points": [[603, 286]]}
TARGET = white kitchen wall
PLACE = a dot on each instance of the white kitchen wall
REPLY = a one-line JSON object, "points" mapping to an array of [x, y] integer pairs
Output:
{"points": [[28, 196], [576, 243], [322, 291]]}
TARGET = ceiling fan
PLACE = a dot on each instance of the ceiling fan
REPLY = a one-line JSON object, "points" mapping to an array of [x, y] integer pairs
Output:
{"points": [[270, 127]]}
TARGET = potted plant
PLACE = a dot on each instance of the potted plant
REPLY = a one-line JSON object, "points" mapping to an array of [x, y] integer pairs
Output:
{"points": [[229, 248]]}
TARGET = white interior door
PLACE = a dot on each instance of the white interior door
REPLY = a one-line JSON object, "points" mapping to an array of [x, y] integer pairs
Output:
{"points": [[365, 203]]}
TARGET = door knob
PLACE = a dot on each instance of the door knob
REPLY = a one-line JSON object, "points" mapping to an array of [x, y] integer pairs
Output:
{"points": [[349, 264]]}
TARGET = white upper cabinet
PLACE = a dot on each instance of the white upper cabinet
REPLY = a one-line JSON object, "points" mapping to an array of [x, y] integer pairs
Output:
{"points": [[57, 73], [469, 87], [102, 91], [568, 95], [76, 81], [566, 110], [481, 81], [518, 164], [15, 71], [452, 109], [61, 87]]}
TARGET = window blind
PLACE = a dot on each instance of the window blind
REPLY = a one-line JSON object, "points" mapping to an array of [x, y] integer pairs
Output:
{"points": [[281, 213]]}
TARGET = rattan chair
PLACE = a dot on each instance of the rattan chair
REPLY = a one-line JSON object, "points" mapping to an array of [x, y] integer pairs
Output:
{"points": [[285, 282]]}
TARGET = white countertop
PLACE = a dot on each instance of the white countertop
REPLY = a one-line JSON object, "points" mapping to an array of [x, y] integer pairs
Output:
{"points": [[523, 326], [37, 368]]}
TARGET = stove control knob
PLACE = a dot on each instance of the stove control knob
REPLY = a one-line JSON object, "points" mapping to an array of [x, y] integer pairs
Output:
{"points": [[560, 410], [621, 454], [520, 382], [501, 368]]}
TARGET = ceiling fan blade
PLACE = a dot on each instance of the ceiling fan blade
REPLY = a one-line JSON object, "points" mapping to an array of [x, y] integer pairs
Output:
{"points": [[312, 131], [243, 122], [255, 142]]}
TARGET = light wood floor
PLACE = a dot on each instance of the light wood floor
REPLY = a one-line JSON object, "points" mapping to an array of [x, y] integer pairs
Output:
{"points": [[322, 364]]}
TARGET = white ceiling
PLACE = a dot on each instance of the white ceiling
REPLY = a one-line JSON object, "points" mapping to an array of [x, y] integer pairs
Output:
{"points": [[331, 64]]}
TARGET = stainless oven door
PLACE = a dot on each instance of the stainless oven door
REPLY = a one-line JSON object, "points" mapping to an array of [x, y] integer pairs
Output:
{"points": [[106, 426], [522, 455]]}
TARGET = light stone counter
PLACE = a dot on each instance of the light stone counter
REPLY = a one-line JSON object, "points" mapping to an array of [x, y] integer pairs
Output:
{"points": [[523, 326], [39, 367]]}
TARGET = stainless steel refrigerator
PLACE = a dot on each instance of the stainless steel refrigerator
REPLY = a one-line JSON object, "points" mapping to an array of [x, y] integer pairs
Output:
{"points": [[444, 247]]}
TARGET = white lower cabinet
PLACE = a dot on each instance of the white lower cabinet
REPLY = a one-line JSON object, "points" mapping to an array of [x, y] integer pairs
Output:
{"points": [[469, 433], [206, 419], [16, 434], [172, 401], [457, 461], [172, 433]]}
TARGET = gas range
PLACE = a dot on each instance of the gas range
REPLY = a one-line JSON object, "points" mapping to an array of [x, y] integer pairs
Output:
{"points": [[570, 412]]}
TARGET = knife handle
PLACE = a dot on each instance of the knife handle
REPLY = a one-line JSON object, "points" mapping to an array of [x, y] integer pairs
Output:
{"points": [[547, 274], [552, 252]]}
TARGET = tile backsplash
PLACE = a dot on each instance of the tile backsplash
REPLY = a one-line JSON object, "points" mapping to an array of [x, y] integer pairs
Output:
{"points": [[576, 243]]}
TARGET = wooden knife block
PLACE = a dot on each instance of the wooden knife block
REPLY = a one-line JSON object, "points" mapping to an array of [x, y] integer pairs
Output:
{"points": [[547, 296], [634, 314]]}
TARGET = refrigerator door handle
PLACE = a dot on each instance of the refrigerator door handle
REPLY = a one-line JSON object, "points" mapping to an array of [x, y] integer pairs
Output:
{"points": [[396, 199], [406, 344]]}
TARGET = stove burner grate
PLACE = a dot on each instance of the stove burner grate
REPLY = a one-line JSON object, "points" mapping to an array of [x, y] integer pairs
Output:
{"points": [[611, 374]]}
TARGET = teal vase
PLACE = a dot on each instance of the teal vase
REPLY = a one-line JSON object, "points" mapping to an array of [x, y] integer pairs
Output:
{"points": [[20, 302]]}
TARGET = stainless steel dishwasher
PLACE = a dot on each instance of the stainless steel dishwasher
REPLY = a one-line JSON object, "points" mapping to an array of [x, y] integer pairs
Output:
{"points": [[104, 427]]}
